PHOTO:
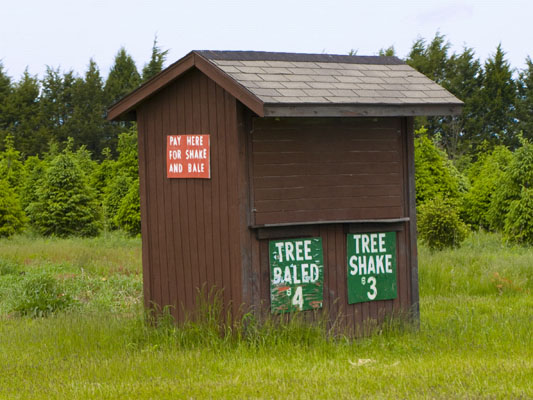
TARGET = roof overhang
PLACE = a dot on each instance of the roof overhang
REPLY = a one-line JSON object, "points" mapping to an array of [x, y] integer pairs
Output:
{"points": [[124, 109], [361, 110]]}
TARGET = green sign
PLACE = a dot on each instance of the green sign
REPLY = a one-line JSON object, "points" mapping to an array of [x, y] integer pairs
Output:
{"points": [[296, 274], [371, 266]]}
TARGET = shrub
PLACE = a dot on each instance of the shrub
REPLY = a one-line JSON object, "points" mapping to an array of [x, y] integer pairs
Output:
{"points": [[128, 215], [518, 175], [40, 295], [115, 193], [485, 175], [12, 218], [434, 173], [439, 224], [65, 205], [519, 220]]}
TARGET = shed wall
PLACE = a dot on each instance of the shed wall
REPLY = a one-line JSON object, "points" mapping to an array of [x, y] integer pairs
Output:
{"points": [[386, 141], [190, 227], [327, 169]]}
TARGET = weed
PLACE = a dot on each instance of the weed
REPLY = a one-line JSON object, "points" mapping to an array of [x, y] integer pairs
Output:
{"points": [[39, 295]]}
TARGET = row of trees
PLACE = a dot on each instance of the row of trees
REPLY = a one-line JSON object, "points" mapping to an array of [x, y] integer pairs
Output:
{"points": [[498, 99], [67, 193], [40, 112], [65, 170], [494, 193]]}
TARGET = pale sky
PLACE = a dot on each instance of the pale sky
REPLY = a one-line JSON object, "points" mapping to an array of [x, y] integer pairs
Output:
{"points": [[67, 33]]}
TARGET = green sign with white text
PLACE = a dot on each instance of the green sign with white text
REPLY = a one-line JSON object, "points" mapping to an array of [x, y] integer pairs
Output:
{"points": [[296, 274], [371, 266]]}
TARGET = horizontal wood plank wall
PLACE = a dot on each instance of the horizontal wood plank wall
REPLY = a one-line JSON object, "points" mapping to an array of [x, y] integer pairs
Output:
{"points": [[190, 227], [321, 169]]}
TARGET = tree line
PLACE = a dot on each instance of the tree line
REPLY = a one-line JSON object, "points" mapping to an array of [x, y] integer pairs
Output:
{"points": [[65, 170]]}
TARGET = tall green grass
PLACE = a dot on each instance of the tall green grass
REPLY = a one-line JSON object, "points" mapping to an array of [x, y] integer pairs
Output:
{"points": [[474, 340]]}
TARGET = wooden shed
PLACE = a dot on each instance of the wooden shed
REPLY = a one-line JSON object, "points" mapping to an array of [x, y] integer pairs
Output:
{"points": [[286, 180]]}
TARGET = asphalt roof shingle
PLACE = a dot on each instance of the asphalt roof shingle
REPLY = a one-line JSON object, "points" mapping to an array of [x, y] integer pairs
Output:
{"points": [[277, 78]]}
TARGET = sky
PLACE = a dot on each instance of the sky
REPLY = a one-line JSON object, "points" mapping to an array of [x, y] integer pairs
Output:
{"points": [[68, 33]]}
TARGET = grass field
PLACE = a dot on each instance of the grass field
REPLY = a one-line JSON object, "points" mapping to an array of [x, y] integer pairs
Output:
{"points": [[475, 338]]}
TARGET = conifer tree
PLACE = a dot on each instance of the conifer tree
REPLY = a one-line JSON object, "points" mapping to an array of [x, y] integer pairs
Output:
{"points": [[498, 97], [12, 218], [122, 79], [464, 81], [21, 113], [34, 170], [6, 89], [11, 166], [55, 102], [524, 106], [66, 205], [156, 62], [88, 125]]}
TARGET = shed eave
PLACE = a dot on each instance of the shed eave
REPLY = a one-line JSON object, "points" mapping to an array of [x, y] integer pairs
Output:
{"points": [[361, 110], [124, 109]]}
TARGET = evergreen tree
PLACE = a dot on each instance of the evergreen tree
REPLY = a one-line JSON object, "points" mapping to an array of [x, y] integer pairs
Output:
{"points": [[12, 218], [388, 52], [156, 62], [434, 174], [116, 192], [518, 175], [22, 117], [497, 97], [34, 170], [485, 175], [128, 159], [464, 81], [123, 78], [431, 60], [87, 125], [56, 102], [11, 166], [128, 215], [103, 174], [66, 205], [524, 106], [6, 89]]}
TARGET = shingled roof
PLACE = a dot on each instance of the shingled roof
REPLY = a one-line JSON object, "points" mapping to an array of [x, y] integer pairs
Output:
{"points": [[293, 84]]}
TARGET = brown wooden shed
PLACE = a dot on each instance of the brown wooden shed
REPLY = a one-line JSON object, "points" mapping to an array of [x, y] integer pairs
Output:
{"points": [[312, 146]]}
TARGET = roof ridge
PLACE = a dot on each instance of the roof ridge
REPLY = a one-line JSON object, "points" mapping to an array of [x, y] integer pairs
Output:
{"points": [[239, 55]]}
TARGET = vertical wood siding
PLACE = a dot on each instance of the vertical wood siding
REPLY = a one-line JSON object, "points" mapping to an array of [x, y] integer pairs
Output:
{"points": [[190, 227]]}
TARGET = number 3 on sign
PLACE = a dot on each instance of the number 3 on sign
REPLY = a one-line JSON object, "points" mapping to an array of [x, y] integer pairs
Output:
{"points": [[298, 299], [374, 291]]}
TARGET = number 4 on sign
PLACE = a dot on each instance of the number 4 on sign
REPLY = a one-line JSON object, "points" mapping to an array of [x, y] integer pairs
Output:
{"points": [[298, 299]]}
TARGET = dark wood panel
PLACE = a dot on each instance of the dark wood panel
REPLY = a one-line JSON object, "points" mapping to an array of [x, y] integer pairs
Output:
{"points": [[153, 231], [143, 194], [177, 239], [331, 203], [325, 156], [325, 191], [313, 169], [293, 146], [327, 180], [325, 135], [298, 123]]}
